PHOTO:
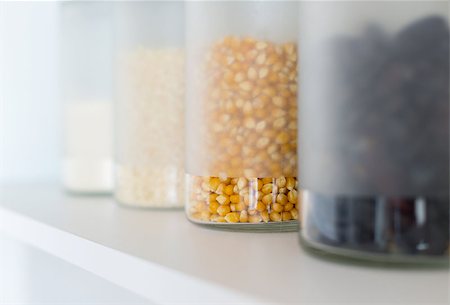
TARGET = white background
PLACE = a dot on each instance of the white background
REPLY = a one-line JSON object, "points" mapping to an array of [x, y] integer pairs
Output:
{"points": [[30, 132]]}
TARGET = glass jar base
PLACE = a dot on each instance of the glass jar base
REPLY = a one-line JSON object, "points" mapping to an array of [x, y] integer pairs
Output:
{"points": [[403, 230], [367, 258], [270, 227]]}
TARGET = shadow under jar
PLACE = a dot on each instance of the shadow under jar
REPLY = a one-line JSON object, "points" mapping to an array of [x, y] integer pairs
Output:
{"points": [[150, 104], [374, 130], [242, 115]]}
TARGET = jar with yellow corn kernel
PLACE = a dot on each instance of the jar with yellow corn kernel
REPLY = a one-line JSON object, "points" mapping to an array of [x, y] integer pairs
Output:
{"points": [[242, 115], [150, 104]]}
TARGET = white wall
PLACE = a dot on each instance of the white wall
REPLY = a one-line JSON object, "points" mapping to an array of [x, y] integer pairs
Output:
{"points": [[29, 107]]}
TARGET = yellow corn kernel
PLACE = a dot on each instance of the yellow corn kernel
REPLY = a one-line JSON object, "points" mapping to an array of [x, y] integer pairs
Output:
{"points": [[239, 77], [205, 186], [233, 150], [196, 216], [272, 149], [262, 142], [243, 216], [260, 59], [228, 76], [260, 126], [213, 207], [234, 198], [293, 88], [213, 183], [280, 182], [220, 188], [233, 207], [277, 207], [265, 216], [282, 138], [292, 196], [290, 183], [212, 197], [286, 216], [242, 182], [225, 180], [288, 207], [267, 188], [246, 86], [294, 213], [249, 123], [223, 210], [228, 190], [236, 66], [199, 206], [232, 217], [259, 195], [252, 73], [247, 200], [279, 101], [247, 109], [275, 216], [204, 215], [289, 48], [279, 123], [279, 113], [217, 218], [240, 206], [263, 72], [254, 218], [267, 180], [270, 91], [260, 206], [223, 199], [267, 199], [260, 184], [282, 190], [282, 199], [244, 192]]}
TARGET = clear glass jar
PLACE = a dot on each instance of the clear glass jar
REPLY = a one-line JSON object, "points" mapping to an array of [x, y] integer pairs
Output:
{"points": [[374, 129], [86, 72], [242, 114], [150, 104]]}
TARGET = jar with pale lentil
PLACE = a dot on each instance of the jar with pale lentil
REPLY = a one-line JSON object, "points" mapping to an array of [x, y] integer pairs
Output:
{"points": [[150, 104], [242, 115]]}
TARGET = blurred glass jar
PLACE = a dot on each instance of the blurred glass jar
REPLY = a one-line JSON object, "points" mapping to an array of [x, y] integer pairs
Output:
{"points": [[86, 71], [150, 104], [242, 115], [374, 129]]}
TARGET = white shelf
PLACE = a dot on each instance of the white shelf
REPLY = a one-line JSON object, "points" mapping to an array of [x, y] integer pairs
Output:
{"points": [[164, 258], [30, 276]]}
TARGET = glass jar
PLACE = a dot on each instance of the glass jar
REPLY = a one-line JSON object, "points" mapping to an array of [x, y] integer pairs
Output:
{"points": [[150, 104], [86, 69], [374, 129], [242, 114]]}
